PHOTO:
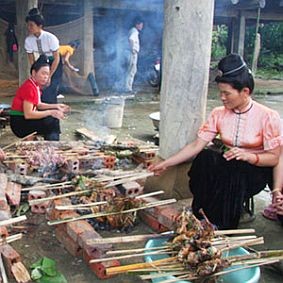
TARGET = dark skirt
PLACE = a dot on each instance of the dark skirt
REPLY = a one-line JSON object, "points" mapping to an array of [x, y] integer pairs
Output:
{"points": [[47, 127], [220, 187]]}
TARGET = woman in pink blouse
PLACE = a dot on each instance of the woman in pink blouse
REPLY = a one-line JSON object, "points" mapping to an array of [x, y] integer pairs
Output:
{"points": [[221, 182]]}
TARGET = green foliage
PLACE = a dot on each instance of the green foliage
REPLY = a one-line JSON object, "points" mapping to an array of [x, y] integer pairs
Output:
{"points": [[271, 53], [219, 40], [45, 271]]}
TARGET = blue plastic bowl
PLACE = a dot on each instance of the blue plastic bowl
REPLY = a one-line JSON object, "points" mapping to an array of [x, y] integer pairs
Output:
{"points": [[249, 275]]}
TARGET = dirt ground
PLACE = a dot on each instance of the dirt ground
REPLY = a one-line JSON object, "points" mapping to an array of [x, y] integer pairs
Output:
{"points": [[40, 240]]}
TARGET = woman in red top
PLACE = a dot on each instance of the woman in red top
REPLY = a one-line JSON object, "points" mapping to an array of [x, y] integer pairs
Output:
{"points": [[29, 114]]}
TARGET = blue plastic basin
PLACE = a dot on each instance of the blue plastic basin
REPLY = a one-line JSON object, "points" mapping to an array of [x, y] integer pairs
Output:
{"points": [[249, 275]]}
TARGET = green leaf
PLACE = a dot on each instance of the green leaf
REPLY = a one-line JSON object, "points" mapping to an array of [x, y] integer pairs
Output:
{"points": [[36, 274], [59, 278], [48, 266], [36, 264], [23, 208]]}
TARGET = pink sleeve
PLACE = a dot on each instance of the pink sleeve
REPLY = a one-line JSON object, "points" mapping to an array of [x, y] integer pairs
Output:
{"points": [[271, 131], [208, 131]]}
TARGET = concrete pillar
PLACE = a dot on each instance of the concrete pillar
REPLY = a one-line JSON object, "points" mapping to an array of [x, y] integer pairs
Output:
{"points": [[242, 29], [22, 8], [239, 27], [87, 31], [186, 58], [231, 36]]}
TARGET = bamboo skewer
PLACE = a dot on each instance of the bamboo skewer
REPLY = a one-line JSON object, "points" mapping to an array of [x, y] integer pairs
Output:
{"points": [[121, 269], [40, 200], [94, 215], [49, 186], [135, 250], [251, 242], [122, 181], [233, 232], [79, 206], [125, 175], [89, 205], [125, 239], [22, 139], [164, 251], [239, 238], [12, 220], [11, 238], [150, 194]]}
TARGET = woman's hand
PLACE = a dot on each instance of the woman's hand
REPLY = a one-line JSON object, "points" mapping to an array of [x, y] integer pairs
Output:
{"points": [[2, 154], [63, 107], [158, 168], [278, 204], [57, 114], [239, 154]]}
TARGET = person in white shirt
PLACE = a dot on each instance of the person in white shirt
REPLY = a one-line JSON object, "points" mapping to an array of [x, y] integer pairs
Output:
{"points": [[40, 42], [134, 43]]}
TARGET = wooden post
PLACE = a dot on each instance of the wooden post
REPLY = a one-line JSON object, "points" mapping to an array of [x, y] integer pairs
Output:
{"points": [[231, 37], [88, 64], [186, 58], [239, 27], [242, 29], [22, 8], [256, 44]]}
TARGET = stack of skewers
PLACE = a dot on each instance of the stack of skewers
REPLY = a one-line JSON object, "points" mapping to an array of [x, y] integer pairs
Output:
{"points": [[99, 201], [194, 251]]}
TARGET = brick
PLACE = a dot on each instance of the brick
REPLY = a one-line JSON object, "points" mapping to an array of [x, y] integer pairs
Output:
{"points": [[74, 229], [53, 214], [109, 159], [40, 208], [100, 268], [4, 205], [3, 185], [140, 160], [10, 256], [89, 163], [146, 155], [69, 244], [36, 194], [152, 222], [3, 232], [95, 252], [19, 167], [5, 214], [13, 193], [130, 189], [167, 214], [72, 166]]}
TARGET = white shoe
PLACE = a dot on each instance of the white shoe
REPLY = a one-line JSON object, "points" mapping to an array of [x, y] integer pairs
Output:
{"points": [[60, 96]]}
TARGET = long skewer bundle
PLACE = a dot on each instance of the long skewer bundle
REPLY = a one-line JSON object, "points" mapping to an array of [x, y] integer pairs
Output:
{"points": [[194, 253]]}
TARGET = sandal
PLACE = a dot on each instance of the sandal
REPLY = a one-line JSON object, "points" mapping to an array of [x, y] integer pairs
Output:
{"points": [[270, 213]]}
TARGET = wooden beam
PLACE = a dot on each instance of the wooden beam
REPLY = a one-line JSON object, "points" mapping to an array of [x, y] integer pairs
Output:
{"points": [[150, 5]]}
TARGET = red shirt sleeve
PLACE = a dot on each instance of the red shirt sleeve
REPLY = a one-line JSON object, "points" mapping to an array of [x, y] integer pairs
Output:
{"points": [[27, 92]]}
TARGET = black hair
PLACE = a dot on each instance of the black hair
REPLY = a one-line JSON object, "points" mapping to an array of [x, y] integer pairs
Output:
{"points": [[138, 20], [75, 43], [42, 61], [234, 71], [34, 15]]}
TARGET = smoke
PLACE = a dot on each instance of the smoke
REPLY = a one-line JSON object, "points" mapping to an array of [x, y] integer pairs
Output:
{"points": [[111, 28]]}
